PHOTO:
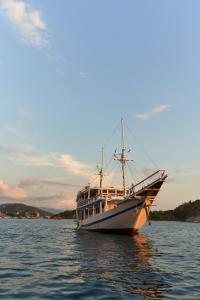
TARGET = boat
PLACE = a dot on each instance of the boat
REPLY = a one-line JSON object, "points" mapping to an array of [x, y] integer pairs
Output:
{"points": [[121, 210]]}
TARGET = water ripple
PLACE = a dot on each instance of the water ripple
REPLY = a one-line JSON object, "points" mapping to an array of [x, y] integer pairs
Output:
{"points": [[42, 259]]}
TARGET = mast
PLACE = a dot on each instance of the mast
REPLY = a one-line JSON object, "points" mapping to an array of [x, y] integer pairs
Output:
{"points": [[123, 158], [101, 174]]}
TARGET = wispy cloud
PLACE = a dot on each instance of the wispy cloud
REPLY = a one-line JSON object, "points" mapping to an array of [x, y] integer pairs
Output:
{"points": [[153, 112], [45, 197], [10, 128], [11, 193], [56, 57], [24, 113], [12, 151], [17, 124], [67, 204], [18, 193], [31, 182], [147, 171], [72, 166], [26, 20], [83, 75], [37, 160], [26, 158]]}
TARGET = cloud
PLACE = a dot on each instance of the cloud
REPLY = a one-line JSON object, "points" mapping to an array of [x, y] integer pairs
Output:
{"points": [[26, 20], [73, 166], [37, 160], [189, 175], [148, 171], [27, 183], [16, 193], [61, 205], [12, 150], [16, 126], [24, 113], [45, 197], [28, 159], [10, 128], [83, 75], [56, 57], [11, 193], [66, 204], [153, 112]]}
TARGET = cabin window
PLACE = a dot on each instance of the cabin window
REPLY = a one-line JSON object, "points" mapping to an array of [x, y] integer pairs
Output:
{"points": [[119, 193], [93, 193], [112, 193]]}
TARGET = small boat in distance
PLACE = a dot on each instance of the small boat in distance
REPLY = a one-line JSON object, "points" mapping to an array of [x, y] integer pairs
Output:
{"points": [[118, 210]]}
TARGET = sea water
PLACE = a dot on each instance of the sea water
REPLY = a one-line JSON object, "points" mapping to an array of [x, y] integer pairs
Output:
{"points": [[47, 259]]}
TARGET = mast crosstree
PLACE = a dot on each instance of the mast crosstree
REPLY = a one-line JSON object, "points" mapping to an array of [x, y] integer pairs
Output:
{"points": [[123, 159]]}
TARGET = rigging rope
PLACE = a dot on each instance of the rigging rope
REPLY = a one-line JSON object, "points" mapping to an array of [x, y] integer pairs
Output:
{"points": [[134, 178], [142, 147], [113, 133], [107, 164]]}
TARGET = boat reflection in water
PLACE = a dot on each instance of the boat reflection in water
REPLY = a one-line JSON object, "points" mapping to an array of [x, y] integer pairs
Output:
{"points": [[122, 264]]}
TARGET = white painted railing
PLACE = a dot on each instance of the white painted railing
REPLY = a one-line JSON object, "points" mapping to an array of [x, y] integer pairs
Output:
{"points": [[160, 174]]}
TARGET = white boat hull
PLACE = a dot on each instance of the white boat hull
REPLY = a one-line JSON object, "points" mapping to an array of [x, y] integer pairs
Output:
{"points": [[127, 218]]}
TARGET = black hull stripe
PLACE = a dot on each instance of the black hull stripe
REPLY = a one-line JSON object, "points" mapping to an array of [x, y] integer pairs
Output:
{"points": [[114, 215], [124, 231]]}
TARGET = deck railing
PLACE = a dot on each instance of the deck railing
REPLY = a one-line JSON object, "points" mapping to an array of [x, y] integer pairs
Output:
{"points": [[160, 174]]}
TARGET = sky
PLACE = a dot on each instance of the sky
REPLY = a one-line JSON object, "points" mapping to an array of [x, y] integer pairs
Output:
{"points": [[70, 70]]}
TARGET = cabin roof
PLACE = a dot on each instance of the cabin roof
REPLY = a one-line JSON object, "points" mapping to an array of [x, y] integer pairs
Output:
{"points": [[86, 188]]}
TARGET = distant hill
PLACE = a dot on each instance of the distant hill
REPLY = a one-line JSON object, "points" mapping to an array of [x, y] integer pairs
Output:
{"points": [[67, 214], [189, 212], [19, 210], [53, 211]]}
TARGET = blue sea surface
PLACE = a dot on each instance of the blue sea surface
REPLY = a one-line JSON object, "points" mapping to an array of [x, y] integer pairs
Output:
{"points": [[48, 259]]}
